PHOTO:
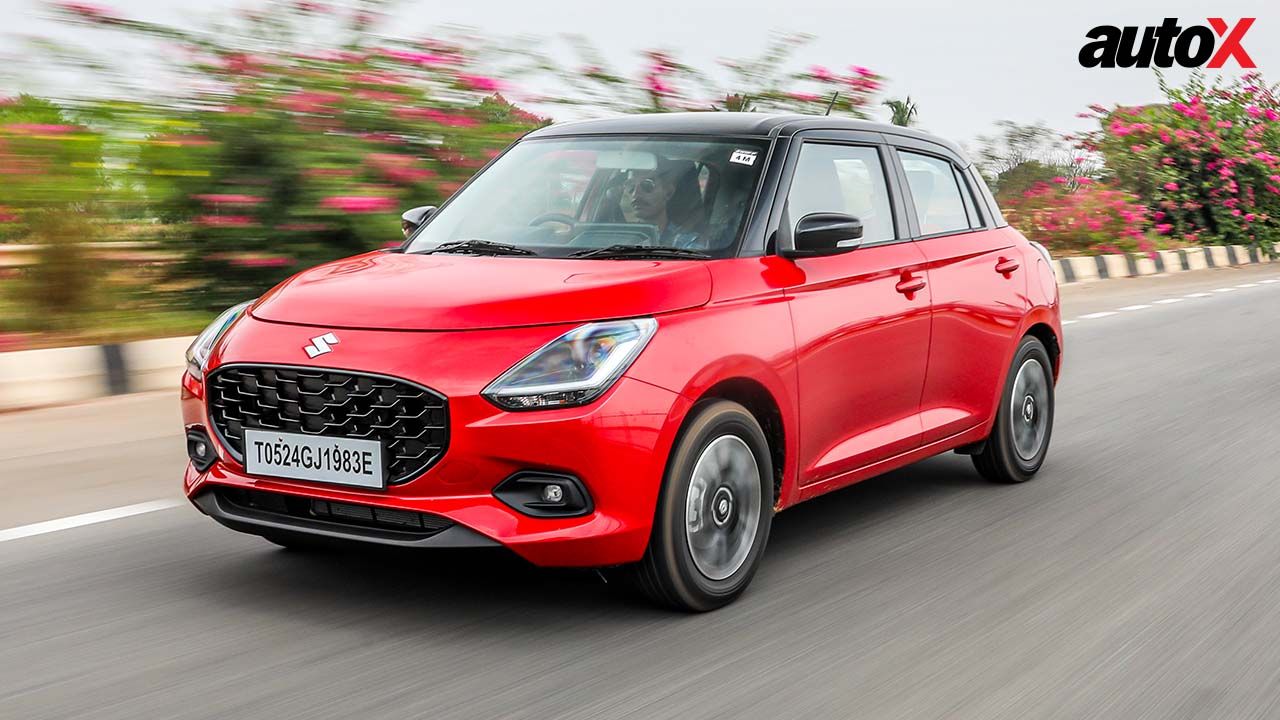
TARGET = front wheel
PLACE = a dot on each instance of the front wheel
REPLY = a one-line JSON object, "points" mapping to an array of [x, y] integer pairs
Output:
{"points": [[1019, 440], [714, 512]]}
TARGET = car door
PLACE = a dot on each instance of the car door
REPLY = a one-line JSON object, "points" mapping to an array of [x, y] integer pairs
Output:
{"points": [[861, 318], [978, 289]]}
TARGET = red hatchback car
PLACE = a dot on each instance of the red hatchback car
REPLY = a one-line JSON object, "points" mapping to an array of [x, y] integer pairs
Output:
{"points": [[627, 343]]}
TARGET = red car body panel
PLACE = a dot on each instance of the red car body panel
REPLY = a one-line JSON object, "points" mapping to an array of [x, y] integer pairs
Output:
{"points": [[458, 292], [976, 310], [862, 348], [863, 362]]}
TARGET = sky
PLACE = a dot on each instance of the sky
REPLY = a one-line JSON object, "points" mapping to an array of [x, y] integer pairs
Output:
{"points": [[966, 65]]}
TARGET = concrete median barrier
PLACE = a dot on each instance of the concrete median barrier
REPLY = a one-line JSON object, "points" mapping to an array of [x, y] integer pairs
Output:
{"points": [[1109, 267], [32, 378]]}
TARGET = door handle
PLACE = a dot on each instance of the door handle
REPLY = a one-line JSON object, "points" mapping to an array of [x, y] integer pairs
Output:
{"points": [[1005, 266], [908, 285]]}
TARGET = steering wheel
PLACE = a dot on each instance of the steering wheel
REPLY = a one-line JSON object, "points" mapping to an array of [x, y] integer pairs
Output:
{"points": [[553, 217]]}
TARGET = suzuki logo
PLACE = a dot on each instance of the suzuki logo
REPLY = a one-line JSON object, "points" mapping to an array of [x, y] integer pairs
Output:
{"points": [[320, 345]]}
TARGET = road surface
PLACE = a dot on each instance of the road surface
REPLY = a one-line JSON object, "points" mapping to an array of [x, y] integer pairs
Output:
{"points": [[1137, 577]]}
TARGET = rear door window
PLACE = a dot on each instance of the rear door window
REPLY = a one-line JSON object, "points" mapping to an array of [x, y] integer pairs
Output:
{"points": [[936, 193]]}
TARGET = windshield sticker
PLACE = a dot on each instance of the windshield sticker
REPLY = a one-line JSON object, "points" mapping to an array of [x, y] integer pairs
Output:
{"points": [[743, 157]]}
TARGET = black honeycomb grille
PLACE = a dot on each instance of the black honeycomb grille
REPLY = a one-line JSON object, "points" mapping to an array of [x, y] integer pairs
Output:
{"points": [[411, 422]]}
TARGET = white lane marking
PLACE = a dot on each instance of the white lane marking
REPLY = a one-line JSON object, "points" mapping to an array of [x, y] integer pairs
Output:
{"points": [[1168, 301], [1196, 295], [89, 518], [1127, 308], [1245, 285], [1092, 316], [1224, 289], [1268, 282], [1068, 322]]}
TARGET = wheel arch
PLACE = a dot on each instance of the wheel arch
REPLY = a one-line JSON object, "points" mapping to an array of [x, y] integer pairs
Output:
{"points": [[760, 402], [1043, 332]]}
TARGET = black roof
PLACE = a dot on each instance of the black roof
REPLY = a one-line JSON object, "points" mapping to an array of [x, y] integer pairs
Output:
{"points": [[728, 123]]}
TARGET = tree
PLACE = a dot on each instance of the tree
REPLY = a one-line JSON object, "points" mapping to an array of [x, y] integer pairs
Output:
{"points": [[759, 84], [904, 112], [1020, 156]]}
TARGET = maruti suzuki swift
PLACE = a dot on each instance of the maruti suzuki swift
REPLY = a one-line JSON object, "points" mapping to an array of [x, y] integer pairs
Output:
{"points": [[627, 343]]}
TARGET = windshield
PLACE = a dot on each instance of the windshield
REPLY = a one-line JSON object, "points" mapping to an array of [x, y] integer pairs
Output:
{"points": [[572, 196]]}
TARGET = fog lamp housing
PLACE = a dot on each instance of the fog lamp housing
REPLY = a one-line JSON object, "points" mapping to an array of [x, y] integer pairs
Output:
{"points": [[544, 494], [200, 449]]}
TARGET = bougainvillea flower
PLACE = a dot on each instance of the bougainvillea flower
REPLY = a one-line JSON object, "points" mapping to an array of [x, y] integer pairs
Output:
{"points": [[359, 203]]}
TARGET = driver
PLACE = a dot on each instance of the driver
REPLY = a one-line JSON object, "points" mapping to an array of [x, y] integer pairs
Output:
{"points": [[667, 197]]}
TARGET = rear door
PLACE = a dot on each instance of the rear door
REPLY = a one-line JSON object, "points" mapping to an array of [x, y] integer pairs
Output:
{"points": [[861, 319], [978, 286]]}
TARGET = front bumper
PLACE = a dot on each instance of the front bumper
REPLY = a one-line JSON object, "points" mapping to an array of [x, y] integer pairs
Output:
{"points": [[216, 505], [617, 447]]}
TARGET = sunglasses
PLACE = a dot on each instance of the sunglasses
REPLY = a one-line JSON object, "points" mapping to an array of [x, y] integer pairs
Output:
{"points": [[646, 186]]}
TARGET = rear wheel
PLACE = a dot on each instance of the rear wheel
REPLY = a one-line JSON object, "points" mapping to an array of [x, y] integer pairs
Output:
{"points": [[1019, 440], [714, 512]]}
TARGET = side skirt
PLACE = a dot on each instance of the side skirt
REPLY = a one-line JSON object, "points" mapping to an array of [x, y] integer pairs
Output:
{"points": [[973, 435]]}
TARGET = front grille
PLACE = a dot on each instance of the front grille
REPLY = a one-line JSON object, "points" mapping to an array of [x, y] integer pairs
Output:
{"points": [[411, 421], [307, 509]]}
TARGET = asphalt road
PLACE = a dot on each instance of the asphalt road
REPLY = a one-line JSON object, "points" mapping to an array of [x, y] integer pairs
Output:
{"points": [[1137, 577]]}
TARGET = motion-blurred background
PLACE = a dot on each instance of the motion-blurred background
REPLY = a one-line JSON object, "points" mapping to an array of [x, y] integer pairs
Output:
{"points": [[161, 162]]}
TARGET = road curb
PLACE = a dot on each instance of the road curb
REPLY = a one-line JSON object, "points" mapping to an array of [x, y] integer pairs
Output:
{"points": [[1110, 267]]}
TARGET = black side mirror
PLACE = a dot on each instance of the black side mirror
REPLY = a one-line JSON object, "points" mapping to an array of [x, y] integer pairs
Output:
{"points": [[412, 219], [824, 233]]}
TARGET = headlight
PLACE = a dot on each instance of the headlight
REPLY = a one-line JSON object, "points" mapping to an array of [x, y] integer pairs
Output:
{"points": [[198, 353], [573, 369]]}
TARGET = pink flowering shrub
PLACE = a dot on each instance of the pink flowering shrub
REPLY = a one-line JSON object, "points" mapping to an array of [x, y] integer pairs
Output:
{"points": [[272, 153], [1206, 163], [1092, 218], [273, 149]]}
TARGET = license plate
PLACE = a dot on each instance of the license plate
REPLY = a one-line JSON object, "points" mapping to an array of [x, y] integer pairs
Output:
{"points": [[338, 461]]}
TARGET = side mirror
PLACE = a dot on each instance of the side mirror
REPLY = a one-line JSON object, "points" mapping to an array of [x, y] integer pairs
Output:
{"points": [[412, 219], [824, 233]]}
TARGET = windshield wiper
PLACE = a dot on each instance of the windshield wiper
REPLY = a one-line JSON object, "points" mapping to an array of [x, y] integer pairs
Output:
{"points": [[640, 252], [479, 247]]}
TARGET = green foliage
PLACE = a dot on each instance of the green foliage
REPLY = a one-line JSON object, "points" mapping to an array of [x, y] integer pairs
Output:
{"points": [[904, 112], [51, 168], [1021, 156], [46, 162]]}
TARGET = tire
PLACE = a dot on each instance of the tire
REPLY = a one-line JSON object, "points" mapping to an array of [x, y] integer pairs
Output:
{"points": [[1019, 440], [700, 561]]}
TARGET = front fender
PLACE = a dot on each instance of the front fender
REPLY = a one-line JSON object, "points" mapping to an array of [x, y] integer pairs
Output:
{"points": [[695, 351]]}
